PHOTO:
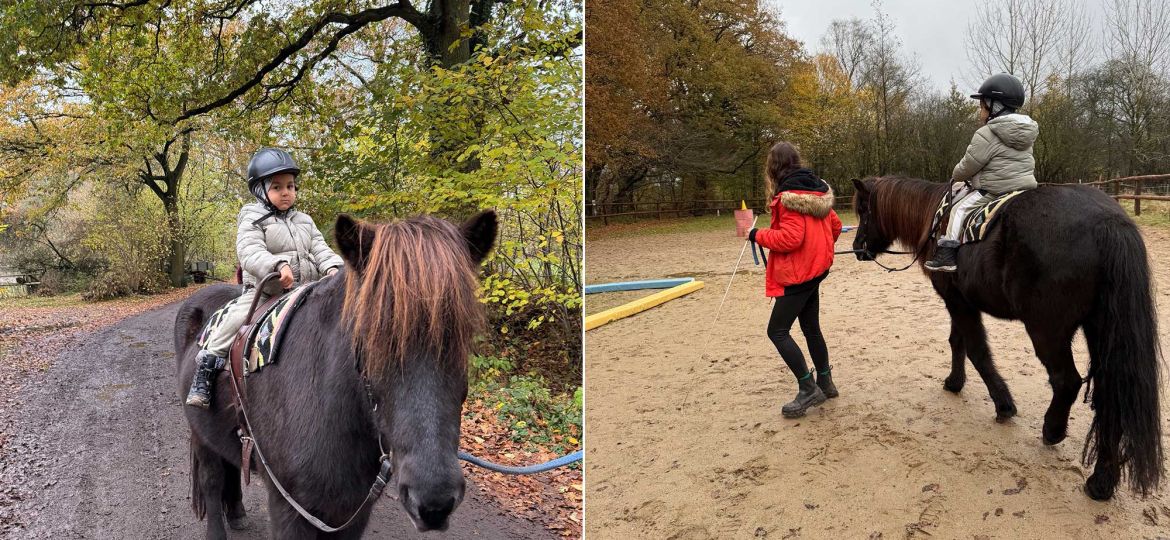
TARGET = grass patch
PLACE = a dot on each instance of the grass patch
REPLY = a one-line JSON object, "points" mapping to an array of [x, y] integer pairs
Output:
{"points": [[595, 229], [65, 300], [1154, 213]]}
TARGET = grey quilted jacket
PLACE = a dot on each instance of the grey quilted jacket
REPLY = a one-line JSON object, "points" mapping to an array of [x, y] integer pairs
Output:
{"points": [[294, 239], [999, 158]]}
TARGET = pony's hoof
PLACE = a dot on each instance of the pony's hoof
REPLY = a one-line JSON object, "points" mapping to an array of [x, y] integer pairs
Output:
{"points": [[1003, 416], [1099, 488], [1051, 438], [237, 517], [954, 385], [239, 523]]}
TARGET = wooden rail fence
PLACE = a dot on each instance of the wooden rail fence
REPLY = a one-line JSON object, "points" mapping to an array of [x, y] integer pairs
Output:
{"points": [[659, 209], [1114, 185]]}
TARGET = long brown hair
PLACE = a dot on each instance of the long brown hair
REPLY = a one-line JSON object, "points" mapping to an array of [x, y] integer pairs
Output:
{"points": [[783, 158], [899, 204], [416, 294]]}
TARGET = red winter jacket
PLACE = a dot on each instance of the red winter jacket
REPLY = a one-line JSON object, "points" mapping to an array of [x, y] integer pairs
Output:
{"points": [[804, 229]]}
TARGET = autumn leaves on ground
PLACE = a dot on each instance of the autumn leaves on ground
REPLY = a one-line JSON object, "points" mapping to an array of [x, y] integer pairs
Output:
{"points": [[37, 332]]}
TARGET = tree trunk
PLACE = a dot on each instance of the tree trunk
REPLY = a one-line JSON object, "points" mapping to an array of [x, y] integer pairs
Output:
{"points": [[168, 193], [177, 256]]}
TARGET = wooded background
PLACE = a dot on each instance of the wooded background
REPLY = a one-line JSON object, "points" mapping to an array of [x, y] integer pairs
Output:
{"points": [[686, 96], [126, 127]]}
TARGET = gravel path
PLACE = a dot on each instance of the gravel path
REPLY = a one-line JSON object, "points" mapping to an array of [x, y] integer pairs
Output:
{"points": [[99, 449]]}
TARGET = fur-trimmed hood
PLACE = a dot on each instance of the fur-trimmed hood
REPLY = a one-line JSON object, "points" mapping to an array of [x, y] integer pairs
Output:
{"points": [[809, 203]]}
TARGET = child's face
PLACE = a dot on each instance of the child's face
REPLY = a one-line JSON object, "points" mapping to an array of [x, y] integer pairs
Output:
{"points": [[282, 192], [984, 113]]}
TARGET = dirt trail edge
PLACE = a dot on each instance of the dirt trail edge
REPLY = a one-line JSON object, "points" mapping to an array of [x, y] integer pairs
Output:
{"points": [[100, 445]]}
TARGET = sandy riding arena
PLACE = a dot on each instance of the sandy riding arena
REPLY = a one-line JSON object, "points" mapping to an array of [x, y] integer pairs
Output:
{"points": [[687, 445]]}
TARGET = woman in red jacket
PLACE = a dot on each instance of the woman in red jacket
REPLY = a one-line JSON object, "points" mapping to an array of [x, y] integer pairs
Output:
{"points": [[804, 229]]}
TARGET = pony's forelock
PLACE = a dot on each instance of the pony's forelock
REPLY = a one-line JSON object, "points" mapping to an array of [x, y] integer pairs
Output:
{"points": [[416, 296]]}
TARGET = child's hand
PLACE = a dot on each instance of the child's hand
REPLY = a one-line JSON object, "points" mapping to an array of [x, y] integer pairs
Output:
{"points": [[286, 276]]}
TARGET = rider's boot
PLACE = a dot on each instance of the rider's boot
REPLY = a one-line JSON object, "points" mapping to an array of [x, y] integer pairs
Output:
{"points": [[208, 365], [945, 257]]}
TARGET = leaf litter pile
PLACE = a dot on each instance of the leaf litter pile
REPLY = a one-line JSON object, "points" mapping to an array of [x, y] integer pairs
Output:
{"points": [[552, 498], [32, 336]]}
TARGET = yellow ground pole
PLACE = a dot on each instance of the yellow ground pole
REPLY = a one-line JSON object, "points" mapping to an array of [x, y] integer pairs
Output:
{"points": [[640, 305]]}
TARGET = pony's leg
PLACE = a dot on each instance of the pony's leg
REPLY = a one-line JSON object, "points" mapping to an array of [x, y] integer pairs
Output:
{"points": [[958, 376], [285, 522], [1107, 471], [210, 478], [1054, 348], [974, 336], [233, 497]]}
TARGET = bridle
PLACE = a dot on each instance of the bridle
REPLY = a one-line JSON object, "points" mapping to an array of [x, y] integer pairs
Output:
{"points": [[872, 255]]}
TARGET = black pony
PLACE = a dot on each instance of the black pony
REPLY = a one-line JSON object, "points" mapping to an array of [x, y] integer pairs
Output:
{"points": [[396, 326], [1059, 258]]}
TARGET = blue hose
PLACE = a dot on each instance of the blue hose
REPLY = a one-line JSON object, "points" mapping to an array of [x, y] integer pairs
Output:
{"points": [[530, 469]]}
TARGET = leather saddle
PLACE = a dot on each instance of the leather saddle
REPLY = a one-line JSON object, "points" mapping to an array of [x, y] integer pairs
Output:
{"points": [[980, 219], [247, 334]]}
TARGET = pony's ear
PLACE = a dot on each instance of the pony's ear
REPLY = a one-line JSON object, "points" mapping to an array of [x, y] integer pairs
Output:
{"points": [[355, 241], [860, 186], [480, 233]]}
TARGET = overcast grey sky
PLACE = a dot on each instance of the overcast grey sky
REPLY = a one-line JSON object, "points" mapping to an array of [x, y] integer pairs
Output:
{"points": [[932, 31]]}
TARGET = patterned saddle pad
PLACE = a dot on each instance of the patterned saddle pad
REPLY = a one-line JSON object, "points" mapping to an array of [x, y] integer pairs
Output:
{"points": [[980, 219], [267, 334]]}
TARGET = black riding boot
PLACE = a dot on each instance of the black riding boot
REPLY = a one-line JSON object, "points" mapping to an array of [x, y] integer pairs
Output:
{"points": [[944, 257], [825, 382], [208, 365], [809, 395]]}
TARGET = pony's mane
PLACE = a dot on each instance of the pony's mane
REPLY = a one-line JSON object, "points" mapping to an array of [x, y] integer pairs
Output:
{"points": [[905, 208], [415, 296]]}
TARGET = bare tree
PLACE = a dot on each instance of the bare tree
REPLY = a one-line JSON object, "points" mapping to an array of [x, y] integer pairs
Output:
{"points": [[1137, 43], [1137, 32], [847, 41], [1021, 37], [1076, 48], [891, 80], [993, 39]]}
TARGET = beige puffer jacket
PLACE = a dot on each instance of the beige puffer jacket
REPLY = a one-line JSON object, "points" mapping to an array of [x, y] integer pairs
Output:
{"points": [[999, 158], [294, 239]]}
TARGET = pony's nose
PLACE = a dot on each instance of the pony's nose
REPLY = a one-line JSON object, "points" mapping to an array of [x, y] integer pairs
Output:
{"points": [[434, 514], [432, 508]]}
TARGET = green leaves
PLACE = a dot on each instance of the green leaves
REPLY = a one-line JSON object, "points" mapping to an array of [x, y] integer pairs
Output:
{"points": [[500, 131]]}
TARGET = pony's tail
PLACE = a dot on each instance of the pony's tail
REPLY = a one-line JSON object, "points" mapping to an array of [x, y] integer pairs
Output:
{"points": [[197, 504], [1123, 377]]}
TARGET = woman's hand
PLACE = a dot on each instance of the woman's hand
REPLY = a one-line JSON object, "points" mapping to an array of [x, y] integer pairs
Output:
{"points": [[752, 235], [286, 276], [331, 271]]}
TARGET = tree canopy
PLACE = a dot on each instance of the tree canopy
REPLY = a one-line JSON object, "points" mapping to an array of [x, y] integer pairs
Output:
{"points": [[685, 97]]}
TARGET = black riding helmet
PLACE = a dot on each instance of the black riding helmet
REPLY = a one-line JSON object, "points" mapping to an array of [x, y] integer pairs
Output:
{"points": [[266, 163], [1004, 88]]}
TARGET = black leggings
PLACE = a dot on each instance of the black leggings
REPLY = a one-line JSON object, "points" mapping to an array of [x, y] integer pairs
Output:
{"points": [[806, 306]]}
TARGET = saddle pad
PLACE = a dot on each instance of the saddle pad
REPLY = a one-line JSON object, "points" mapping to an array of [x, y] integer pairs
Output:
{"points": [[214, 321], [270, 329], [979, 220]]}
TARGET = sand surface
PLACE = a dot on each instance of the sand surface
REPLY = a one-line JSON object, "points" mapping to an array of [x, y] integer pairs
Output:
{"points": [[686, 440]]}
